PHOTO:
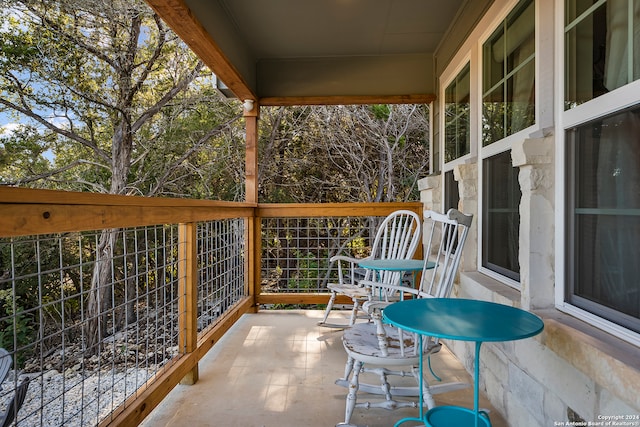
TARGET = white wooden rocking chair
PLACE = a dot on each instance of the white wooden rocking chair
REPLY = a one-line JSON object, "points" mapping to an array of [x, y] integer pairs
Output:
{"points": [[384, 346], [397, 237]]}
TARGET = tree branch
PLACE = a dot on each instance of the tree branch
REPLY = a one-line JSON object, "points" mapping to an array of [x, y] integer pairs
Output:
{"points": [[167, 97], [71, 135], [195, 147], [51, 173], [162, 36]]}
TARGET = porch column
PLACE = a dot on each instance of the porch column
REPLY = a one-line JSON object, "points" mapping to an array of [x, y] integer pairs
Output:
{"points": [[188, 296], [251, 118], [431, 197], [252, 243], [467, 177], [430, 194], [535, 158]]}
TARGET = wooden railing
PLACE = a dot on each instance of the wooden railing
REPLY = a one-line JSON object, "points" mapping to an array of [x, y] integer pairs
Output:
{"points": [[28, 212]]}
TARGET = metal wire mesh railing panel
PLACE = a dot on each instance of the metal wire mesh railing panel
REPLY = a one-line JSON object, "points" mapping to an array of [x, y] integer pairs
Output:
{"points": [[88, 317], [221, 268], [296, 251]]}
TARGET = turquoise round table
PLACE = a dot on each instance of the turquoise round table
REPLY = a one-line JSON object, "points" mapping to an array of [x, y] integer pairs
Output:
{"points": [[393, 264], [465, 320], [402, 265]]}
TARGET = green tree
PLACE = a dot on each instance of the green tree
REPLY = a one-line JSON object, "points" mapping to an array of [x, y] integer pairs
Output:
{"points": [[111, 101], [353, 153]]}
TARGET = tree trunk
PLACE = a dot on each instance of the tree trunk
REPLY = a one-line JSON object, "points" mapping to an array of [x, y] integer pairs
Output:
{"points": [[102, 277], [99, 292]]}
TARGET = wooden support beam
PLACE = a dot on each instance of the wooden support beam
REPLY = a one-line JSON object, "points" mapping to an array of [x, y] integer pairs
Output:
{"points": [[251, 160], [186, 25], [188, 296]]}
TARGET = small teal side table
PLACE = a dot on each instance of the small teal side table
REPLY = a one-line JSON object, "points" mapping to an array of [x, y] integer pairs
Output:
{"points": [[402, 265], [465, 320]]}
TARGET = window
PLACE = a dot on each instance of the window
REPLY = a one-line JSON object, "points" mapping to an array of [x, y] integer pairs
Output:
{"points": [[508, 107], [501, 216], [601, 47], [602, 139], [457, 132], [509, 75], [451, 192], [604, 217], [451, 197], [456, 121]]}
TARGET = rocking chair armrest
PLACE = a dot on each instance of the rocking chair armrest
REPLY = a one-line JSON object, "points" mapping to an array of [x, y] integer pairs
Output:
{"points": [[371, 306], [348, 273], [352, 260], [372, 285]]}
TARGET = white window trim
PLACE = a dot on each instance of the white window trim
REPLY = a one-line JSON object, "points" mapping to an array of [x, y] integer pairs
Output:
{"points": [[504, 144], [447, 77], [616, 100], [482, 269], [431, 142], [471, 52]]}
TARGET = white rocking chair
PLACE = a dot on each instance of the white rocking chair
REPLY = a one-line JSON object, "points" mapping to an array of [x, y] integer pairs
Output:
{"points": [[384, 346], [397, 237]]}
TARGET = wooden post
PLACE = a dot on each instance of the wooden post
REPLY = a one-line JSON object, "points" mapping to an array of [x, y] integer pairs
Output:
{"points": [[188, 295], [252, 243], [251, 161]]}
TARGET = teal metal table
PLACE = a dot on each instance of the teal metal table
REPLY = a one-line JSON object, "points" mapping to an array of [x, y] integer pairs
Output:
{"points": [[393, 264], [402, 265], [465, 320]]}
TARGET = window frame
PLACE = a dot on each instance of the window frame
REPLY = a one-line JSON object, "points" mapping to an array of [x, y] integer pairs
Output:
{"points": [[615, 101], [448, 78], [455, 79], [508, 73], [501, 145]]}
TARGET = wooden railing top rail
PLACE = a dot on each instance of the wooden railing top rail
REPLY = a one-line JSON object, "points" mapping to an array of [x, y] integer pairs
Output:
{"points": [[309, 210], [32, 211], [52, 197]]}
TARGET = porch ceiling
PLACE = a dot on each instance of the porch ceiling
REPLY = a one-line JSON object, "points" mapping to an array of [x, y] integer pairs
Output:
{"points": [[282, 52]]}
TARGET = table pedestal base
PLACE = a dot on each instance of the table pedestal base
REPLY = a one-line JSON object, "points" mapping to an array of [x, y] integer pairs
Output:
{"points": [[442, 416]]}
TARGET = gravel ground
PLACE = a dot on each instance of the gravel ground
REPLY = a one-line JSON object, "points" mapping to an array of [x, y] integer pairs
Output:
{"points": [[57, 399]]}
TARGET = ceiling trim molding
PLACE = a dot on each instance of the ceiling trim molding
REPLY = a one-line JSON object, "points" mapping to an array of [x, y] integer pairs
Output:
{"points": [[287, 101]]}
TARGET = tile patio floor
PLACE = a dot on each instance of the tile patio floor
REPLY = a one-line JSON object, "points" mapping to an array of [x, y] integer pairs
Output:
{"points": [[277, 368]]}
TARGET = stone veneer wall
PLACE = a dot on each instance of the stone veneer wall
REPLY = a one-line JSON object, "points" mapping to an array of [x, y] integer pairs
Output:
{"points": [[570, 372]]}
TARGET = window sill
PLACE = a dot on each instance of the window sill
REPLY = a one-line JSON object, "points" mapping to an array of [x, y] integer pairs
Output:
{"points": [[611, 362], [476, 285]]}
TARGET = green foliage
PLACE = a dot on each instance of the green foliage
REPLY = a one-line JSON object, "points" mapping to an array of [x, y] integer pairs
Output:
{"points": [[16, 331], [358, 247], [23, 154], [308, 266], [109, 100], [380, 111], [351, 153]]}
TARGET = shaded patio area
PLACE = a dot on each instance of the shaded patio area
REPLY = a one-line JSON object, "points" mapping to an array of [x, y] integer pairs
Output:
{"points": [[277, 368]]}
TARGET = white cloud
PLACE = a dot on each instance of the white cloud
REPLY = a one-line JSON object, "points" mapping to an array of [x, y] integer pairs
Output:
{"points": [[7, 130]]}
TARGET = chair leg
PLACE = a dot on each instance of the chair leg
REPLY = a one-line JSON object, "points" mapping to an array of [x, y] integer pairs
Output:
{"points": [[332, 300], [352, 397], [427, 395], [348, 368], [354, 312]]}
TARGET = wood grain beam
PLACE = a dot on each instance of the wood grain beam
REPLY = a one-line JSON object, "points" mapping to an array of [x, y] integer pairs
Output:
{"points": [[183, 22]]}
